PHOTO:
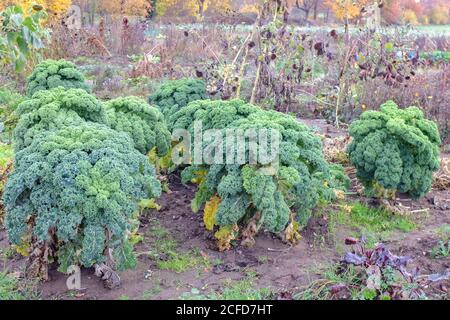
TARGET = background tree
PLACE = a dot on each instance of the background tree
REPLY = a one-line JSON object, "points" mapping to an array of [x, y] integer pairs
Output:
{"points": [[391, 11], [439, 14], [307, 6], [410, 17], [140, 8], [194, 8], [54, 8], [347, 10], [412, 6]]}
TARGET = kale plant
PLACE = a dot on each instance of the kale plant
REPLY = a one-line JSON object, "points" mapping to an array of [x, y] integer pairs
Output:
{"points": [[397, 149], [54, 109], [274, 193], [76, 190], [145, 124], [55, 73], [176, 94]]}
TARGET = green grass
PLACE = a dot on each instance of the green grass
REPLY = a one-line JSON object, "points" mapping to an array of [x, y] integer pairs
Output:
{"points": [[354, 278], [443, 231], [242, 290], [441, 250], [11, 288], [232, 290], [320, 289], [167, 255], [150, 293], [372, 223], [177, 263], [6, 154]]}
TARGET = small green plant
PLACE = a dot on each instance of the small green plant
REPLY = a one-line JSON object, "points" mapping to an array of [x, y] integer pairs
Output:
{"points": [[150, 293], [232, 290], [263, 259], [441, 250], [395, 149], [13, 288], [373, 223], [242, 290], [444, 231], [332, 277], [6, 154], [9, 101], [194, 294], [369, 274], [167, 256]]}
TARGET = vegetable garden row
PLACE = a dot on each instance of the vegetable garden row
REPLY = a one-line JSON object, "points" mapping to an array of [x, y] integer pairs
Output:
{"points": [[82, 166]]}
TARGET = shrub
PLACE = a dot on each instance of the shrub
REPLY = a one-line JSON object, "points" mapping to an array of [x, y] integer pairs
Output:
{"points": [[55, 109], [175, 94], [23, 36], [55, 73], [145, 124], [80, 184], [267, 191], [397, 149]]}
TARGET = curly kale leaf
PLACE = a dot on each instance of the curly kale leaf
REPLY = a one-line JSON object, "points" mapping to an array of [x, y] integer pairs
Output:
{"points": [[176, 94], [396, 148], [145, 124], [212, 114], [82, 183], [50, 74], [54, 109]]}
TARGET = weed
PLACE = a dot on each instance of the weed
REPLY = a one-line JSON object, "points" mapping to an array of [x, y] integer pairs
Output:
{"points": [[372, 223], [444, 231], [167, 256], [262, 259], [321, 289], [177, 263], [150, 293], [232, 290], [13, 288], [242, 290], [441, 250]]}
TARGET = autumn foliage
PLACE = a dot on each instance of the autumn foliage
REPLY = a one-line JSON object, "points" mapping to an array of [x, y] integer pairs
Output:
{"points": [[126, 7], [54, 8], [346, 9]]}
